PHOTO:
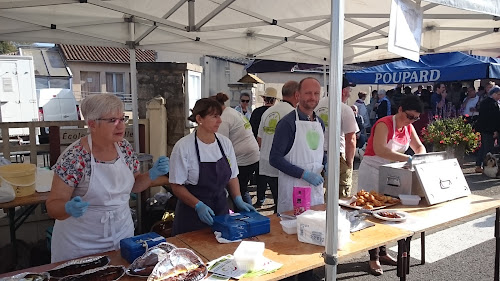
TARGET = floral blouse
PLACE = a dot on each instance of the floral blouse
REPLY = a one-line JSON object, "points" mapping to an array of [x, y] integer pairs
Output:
{"points": [[74, 163]]}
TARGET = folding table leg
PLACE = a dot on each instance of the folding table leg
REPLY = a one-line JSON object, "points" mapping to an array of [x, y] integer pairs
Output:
{"points": [[402, 270], [408, 241], [497, 248], [422, 247], [12, 226]]}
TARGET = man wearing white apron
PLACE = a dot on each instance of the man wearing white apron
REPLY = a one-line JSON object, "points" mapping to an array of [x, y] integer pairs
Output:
{"points": [[297, 150]]}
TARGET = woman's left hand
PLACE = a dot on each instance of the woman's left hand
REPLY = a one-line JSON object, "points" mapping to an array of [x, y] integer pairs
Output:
{"points": [[160, 168], [243, 206]]}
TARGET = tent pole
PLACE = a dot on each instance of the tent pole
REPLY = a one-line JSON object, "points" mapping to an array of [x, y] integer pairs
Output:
{"points": [[325, 89], [335, 90], [133, 88]]}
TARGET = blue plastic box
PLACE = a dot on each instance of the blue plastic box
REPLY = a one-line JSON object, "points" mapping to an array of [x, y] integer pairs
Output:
{"points": [[133, 247], [241, 225]]}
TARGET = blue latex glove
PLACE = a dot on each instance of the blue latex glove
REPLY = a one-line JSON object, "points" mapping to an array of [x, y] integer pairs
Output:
{"points": [[312, 178], [76, 207], [409, 160], [204, 213], [243, 206], [160, 168]]}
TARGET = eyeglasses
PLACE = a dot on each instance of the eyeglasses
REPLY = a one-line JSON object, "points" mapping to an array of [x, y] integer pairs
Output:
{"points": [[411, 117], [247, 101], [115, 121]]}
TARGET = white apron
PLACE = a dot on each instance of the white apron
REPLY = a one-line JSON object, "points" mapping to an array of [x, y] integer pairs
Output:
{"points": [[108, 218], [368, 172], [306, 153]]}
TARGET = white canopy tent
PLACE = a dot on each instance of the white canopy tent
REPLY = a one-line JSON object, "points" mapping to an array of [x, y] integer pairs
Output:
{"points": [[289, 30]]}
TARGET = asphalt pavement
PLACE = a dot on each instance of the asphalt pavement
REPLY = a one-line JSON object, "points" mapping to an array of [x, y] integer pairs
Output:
{"points": [[464, 251]]}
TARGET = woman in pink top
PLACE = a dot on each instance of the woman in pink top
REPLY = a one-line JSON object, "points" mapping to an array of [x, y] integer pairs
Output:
{"points": [[389, 139]]}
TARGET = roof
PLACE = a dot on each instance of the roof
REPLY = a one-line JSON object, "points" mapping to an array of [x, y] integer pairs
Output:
{"points": [[251, 79], [83, 53]]}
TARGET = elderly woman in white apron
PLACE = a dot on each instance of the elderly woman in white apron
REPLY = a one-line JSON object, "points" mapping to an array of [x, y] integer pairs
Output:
{"points": [[93, 179], [390, 138]]}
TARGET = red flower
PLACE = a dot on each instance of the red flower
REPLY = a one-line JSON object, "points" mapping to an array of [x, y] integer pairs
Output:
{"points": [[466, 115], [441, 141]]}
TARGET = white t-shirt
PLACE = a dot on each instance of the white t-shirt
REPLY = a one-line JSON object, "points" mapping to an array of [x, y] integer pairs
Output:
{"points": [[348, 124], [347, 121], [471, 103], [236, 127], [184, 167], [267, 127]]}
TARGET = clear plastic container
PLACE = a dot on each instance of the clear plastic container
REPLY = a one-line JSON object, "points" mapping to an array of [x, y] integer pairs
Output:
{"points": [[289, 226], [410, 200], [249, 254]]}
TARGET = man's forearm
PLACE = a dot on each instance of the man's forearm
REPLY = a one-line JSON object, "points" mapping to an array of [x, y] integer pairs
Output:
{"points": [[350, 148]]}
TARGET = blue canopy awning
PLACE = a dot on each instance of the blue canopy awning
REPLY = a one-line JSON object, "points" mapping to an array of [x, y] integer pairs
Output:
{"points": [[431, 68]]}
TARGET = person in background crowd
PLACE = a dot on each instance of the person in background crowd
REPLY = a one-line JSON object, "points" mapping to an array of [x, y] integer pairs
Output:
{"points": [[203, 167], [297, 150], [92, 182], [348, 129], [361, 134], [237, 128], [270, 96], [488, 125], [372, 107], [244, 107], [384, 105], [268, 175], [362, 110], [482, 94], [419, 92], [390, 138], [438, 100], [407, 90], [390, 96], [468, 107]]}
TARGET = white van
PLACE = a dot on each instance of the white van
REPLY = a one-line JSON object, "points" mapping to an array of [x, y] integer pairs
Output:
{"points": [[56, 104]]}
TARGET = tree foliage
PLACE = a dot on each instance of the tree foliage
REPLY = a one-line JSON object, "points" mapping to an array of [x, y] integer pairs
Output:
{"points": [[7, 47]]}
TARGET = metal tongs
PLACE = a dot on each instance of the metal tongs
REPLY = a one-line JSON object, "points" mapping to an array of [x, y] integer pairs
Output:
{"points": [[286, 217]]}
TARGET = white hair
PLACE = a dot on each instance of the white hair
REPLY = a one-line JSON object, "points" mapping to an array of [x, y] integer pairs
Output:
{"points": [[382, 92], [98, 105]]}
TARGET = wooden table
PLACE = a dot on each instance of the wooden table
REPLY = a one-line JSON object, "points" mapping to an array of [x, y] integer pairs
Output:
{"points": [[427, 218], [10, 207], [116, 259], [295, 256]]}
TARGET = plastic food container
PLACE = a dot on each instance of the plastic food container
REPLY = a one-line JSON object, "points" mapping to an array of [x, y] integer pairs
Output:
{"points": [[248, 255], [289, 226], [411, 200]]}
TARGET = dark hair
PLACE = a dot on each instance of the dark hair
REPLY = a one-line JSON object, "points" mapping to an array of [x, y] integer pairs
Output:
{"points": [[204, 107], [362, 95], [289, 88], [302, 81], [220, 98], [412, 102], [481, 88], [244, 95], [438, 85]]}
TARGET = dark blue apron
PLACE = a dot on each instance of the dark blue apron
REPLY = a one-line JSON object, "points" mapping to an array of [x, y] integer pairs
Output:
{"points": [[211, 190]]}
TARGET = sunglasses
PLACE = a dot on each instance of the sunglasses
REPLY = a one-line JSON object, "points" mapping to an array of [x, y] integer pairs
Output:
{"points": [[115, 121], [411, 117], [247, 101]]}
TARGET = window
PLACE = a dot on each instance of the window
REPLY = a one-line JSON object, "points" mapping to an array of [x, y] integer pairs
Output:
{"points": [[115, 84], [90, 82], [193, 92]]}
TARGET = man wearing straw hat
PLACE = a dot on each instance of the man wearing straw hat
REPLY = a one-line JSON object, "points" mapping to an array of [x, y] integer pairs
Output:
{"points": [[270, 96]]}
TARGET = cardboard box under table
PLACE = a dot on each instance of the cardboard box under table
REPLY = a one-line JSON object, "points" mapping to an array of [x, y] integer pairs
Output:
{"points": [[431, 176]]}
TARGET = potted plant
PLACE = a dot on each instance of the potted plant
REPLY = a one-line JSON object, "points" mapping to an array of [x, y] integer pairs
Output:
{"points": [[454, 135]]}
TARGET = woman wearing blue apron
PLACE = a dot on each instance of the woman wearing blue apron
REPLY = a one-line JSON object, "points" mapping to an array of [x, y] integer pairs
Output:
{"points": [[203, 166]]}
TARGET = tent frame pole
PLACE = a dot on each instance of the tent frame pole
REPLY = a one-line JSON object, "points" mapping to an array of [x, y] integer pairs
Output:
{"points": [[133, 88], [335, 90]]}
